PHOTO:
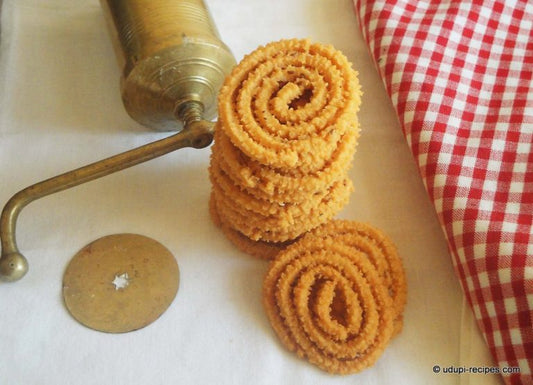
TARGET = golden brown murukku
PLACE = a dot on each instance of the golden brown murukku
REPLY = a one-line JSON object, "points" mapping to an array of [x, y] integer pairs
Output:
{"points": [[283, 225], [284, 141], [288, 103], [326, 302], [245, 201], [281, 185], [381, 252], [261, 104]]}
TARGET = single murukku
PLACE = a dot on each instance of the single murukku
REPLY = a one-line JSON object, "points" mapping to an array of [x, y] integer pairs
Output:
{"points": [[287, 104], [327, 303], [381, 252]]}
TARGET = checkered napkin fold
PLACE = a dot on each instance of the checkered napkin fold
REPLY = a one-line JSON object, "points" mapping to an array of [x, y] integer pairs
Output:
{"points": [[460, 75]]}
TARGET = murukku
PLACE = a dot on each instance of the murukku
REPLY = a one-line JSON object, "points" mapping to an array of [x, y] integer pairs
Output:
{"points": [[287, 104], [283, 225], [281, 185], [286, 135], [327, 303], [381, 252], [245, 201], [284, 141]]}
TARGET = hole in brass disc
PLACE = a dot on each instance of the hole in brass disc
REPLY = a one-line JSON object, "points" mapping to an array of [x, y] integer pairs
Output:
{"points": [[120, 283]]}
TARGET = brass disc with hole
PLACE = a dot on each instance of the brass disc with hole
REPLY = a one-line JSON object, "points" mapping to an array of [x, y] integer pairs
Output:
{"points": [[120, 283]]}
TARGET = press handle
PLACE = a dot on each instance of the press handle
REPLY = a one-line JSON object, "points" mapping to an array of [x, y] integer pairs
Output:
{"points": [[197, 133]]}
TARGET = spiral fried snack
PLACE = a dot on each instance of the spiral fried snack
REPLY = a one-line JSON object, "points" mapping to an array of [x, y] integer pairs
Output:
{"points": [[289, 103], [380, 251], [284, 142], [328, 296]]}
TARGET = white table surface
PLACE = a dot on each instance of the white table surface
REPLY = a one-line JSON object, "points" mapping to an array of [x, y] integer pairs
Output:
{"points": [[60, 108]]}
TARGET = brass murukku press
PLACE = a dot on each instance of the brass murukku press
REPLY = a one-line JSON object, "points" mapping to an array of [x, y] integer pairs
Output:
{"points": [[173, 64]]}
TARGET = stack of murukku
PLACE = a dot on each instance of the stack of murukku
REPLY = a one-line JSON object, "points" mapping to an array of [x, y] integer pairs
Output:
{"points": [[335, 291], [284, 143], [336, 296]]}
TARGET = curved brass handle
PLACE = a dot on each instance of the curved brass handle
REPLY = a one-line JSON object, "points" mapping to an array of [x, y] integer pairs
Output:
{"points": [[197, 133]]}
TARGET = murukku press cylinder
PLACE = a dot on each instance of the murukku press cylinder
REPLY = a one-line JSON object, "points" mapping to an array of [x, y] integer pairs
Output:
{"points": [[170, 54]]}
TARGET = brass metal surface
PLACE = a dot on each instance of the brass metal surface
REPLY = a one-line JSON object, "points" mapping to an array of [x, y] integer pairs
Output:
{"points": [[173, 64], [120, 283], [170, 53]]}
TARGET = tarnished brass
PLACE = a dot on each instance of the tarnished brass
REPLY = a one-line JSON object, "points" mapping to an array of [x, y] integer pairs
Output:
{"points": [[170, 54], [120, 283], [173, 65]]}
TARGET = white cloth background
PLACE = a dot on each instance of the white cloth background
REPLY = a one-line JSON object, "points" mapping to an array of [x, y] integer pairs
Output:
{"points": [[60, 108]]}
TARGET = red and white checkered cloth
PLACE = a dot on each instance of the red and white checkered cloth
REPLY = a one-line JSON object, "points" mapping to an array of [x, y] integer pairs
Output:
{"points": [[460, 75]]}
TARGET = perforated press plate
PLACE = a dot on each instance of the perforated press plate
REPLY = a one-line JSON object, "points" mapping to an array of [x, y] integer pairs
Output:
{"points": [[120, 283]]}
